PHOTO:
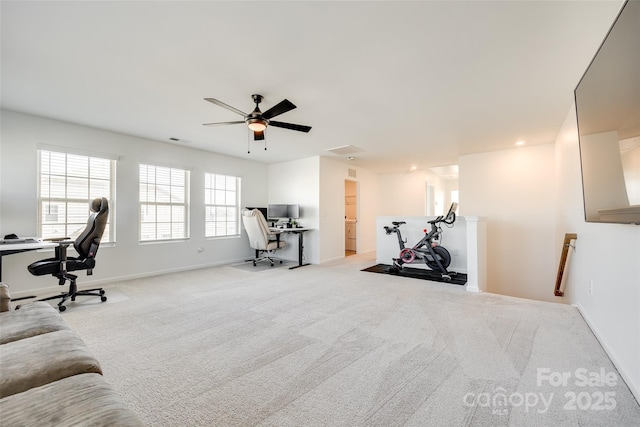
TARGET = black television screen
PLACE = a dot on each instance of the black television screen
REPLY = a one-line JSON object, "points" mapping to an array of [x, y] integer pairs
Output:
{"points": [[293, 211], [608, 115], [277, 211]]}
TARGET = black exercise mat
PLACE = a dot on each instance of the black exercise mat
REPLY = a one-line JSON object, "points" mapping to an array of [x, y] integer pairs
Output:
{"points": [[417, 273]]}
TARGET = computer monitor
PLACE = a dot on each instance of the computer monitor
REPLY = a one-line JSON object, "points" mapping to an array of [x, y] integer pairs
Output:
{"points": [[293, 211], [277, 211]]}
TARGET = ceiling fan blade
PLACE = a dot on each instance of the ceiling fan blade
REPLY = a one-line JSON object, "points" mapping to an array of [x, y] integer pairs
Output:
{"points": [[300, 128], [258, 135], [223, 123], [223, 105], [278, 109]]}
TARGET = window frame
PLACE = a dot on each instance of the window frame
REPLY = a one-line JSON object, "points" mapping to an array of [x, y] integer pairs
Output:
{"points": [[170, 205], [212, 193], [109, 236]]}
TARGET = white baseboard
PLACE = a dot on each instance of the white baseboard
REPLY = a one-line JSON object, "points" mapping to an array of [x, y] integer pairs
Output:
{"points": [[324, 261], [88, 284], [631, 382]]}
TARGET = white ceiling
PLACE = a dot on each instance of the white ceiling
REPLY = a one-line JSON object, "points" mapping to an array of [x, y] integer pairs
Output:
{"points": [[409, 83]]}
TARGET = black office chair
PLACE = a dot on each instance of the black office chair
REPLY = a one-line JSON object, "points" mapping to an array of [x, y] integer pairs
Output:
{"points": [[86, 245]]}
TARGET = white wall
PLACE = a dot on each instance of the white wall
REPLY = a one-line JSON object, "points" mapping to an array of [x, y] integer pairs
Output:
{"points": [[317, 184], [608, 256], [332, 177], [403, 194], [298, 182], [22, 134], [515, 190]]}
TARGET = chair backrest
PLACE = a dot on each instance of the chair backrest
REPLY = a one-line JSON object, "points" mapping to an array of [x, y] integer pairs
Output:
{"points": [[257, 228], [88, 241]]}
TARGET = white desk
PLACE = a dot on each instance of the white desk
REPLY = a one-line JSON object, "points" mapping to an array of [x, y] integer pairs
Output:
{"points": [[30, 244], [299, 232]]}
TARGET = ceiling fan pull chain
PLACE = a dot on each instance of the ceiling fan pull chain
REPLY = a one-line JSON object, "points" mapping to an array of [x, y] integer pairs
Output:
{"points": [[249, 141], [265, 140]]}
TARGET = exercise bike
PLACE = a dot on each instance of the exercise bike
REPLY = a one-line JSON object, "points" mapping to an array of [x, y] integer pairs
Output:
{"points": [[428, 249]]}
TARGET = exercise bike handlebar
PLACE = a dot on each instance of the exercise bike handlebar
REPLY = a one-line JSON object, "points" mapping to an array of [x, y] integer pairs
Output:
{"points": [[450, 219]]}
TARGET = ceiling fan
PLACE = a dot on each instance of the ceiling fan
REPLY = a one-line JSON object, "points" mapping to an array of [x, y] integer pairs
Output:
{"points": [[257, 120]]}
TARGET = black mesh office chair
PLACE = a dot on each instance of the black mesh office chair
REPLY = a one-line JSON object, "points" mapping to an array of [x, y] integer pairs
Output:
{"points": [[86, 245]]}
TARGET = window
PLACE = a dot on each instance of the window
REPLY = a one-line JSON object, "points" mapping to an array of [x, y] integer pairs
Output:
{"points": [[164, 203], [67, 183], [222, 205]]}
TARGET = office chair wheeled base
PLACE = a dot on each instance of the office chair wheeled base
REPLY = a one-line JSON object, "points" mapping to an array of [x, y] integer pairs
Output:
{"points": [[271, 261], [259, 258], [74, 292]]}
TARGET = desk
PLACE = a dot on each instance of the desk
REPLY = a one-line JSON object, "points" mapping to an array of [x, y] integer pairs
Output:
{"points": [[30, 244], [299, 232]]}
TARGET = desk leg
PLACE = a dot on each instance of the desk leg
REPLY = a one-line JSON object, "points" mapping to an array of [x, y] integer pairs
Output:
{"points": [[300, 246], [13, 299]]}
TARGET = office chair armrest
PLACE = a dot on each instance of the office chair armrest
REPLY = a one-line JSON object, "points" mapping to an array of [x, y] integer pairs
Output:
{"points": [[277, 234], [61, 240]]}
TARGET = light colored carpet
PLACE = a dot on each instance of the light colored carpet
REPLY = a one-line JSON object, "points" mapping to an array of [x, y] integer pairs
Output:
{"points": [[331, 345], [263, 265]]}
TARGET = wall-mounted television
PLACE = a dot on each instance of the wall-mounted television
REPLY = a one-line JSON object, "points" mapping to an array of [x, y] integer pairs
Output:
{"points": [[608, 113]]}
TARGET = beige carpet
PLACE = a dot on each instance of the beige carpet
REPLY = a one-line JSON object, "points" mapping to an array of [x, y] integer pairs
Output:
{"points": [[331, 345]]}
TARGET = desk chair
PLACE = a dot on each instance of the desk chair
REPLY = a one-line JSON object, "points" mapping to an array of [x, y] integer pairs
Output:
{"points": [[86, 245], [261, 238]]}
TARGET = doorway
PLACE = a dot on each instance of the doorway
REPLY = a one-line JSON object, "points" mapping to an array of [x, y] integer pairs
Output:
{"points": [[350, 217]]}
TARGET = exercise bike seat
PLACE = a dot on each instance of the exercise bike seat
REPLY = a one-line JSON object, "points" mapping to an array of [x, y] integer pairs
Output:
{"points": [[397, 223]]}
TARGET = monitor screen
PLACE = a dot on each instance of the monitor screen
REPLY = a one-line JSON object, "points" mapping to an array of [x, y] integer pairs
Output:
{"points": [[293, 211], [277, 211]]}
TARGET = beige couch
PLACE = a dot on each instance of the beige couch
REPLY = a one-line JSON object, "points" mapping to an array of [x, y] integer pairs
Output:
{"points": [[48, 376]]}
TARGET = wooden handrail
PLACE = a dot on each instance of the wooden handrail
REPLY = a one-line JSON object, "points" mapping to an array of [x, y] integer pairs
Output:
{"points": [[568, 237]]}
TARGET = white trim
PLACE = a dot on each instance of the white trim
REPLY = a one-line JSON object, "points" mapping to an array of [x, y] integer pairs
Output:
{"points": [[80, 152], [163, 164], [88, 284], [628, 379], [339, 258]]}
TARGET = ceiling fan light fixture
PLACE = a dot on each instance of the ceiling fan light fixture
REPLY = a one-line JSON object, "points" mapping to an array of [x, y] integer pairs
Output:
{"points": [[257, 125]]}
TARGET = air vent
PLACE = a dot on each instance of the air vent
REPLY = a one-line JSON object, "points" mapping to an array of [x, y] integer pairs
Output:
{"points": [[344, 150], [352, 173]]}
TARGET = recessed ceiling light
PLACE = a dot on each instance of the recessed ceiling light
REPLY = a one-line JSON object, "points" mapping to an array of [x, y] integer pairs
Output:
{"points": [[351, 158], [413, 168], [519, 143]]}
